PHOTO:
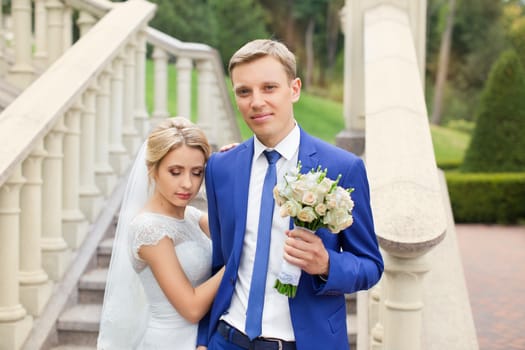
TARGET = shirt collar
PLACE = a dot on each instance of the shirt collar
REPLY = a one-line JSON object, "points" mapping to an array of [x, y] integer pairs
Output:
{"points": [[287, 147]]}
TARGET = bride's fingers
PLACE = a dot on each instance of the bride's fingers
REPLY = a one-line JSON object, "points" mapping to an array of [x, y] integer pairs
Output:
{"points": [[228, 147]]}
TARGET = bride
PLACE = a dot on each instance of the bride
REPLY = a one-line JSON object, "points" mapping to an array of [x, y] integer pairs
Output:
{"points": [[159, 283]]}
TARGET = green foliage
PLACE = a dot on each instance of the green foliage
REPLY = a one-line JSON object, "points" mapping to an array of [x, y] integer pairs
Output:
{"points": [[233, 23], [498, 144], [487, 198], [183, 19], [449, 146]]}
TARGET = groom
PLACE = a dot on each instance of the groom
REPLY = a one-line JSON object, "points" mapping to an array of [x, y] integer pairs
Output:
{"points": [[251, 238]]}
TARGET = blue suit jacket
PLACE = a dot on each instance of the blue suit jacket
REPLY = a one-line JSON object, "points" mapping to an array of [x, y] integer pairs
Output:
{"points": [[318, 311]]}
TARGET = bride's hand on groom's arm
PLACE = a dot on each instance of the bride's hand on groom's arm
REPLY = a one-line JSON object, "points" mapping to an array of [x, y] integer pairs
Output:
{"points": [[201, 347]]}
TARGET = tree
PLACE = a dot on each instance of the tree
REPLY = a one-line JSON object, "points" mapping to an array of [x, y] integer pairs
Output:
{"points": [[232, 23], [497, 143], [444, 55]]}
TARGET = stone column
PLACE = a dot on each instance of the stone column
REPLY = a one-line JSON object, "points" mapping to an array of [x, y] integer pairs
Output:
{"points": [[130, 135], [3, 59], [104, 174], [85, 22], [160, 81], [55, 252], [141, 114], [67, 15], [184, 66], [22, 72], [118, 156], [55, 30], [40, 56], [35, 287], [74, 223], [403, 301], [90, 195], [353, 137], [205, 105], [14, 322]]}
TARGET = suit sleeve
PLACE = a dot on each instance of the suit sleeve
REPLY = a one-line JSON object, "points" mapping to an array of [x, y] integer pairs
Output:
{"points": [[202, 335], [358, 264]]}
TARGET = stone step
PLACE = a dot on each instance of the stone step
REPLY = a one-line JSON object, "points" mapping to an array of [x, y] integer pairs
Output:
{"points": [[104, 252], [91, 286], [351, 327], [74, 347], [79, 325]]}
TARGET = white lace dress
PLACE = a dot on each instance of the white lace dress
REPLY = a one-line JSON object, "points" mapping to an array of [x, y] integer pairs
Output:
{"points": [[167, 329]]}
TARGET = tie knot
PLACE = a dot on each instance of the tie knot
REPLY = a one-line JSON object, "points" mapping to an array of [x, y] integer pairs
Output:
{"points": [[272, 156]]}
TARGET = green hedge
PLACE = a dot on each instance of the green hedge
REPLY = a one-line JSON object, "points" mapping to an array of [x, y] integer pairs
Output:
{"points": [[487, 197]]}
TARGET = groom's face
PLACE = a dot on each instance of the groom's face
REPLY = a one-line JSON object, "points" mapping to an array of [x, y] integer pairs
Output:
{"points": [[265, 96]]}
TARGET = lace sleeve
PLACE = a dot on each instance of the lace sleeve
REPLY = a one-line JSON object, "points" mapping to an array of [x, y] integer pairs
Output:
{"points": [[147, 231]]}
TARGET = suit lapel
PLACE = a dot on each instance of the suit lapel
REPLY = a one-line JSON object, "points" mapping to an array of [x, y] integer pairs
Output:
{"points": [[307, 153], [243, 165]]}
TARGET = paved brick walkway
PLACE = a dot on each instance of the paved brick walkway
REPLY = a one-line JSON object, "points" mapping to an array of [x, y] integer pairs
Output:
{"points": [[494, 264]]}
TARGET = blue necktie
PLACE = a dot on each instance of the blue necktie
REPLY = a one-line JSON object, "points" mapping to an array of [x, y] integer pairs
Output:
{"points": [[260, 265]]}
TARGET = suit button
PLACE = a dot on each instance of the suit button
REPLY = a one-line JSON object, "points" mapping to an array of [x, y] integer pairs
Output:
{"points": [[232, 280]]}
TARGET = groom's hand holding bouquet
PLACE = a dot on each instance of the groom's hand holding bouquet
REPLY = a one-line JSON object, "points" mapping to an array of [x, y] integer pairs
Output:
{"points": [[313, 201]]}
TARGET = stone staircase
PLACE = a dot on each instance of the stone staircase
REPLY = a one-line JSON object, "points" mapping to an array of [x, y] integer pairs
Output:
{"points": [[78, 324]]}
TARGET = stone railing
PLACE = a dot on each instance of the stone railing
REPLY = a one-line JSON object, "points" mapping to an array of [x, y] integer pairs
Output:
{"points": [[69, 136], [407, 198]]}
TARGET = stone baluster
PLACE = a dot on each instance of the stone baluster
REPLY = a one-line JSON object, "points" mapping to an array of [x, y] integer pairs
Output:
{"points": [[74, 223], [160, 98], [375, 322], [184, 66], [55, 30], [35, 287], [90, 195], [22, 72], [104, 174], [40, 56], [85, 22], [130, 135], [67, 15], [15, 324], [118, 156], [141, 114], [3, 60], [205, 106], [55, 252]]}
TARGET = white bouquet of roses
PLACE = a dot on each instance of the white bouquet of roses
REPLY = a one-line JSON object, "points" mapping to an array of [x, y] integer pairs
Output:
{"points": [[313, 201]]}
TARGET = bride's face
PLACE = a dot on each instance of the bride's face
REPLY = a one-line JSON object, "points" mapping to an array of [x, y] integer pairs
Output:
{"points": [[179, 177]]}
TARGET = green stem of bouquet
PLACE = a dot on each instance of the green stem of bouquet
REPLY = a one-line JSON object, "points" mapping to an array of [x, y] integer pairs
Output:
{"points": [[286, 289]]}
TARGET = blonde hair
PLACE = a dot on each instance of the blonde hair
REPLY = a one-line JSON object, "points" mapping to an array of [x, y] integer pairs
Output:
{"points": [[259, 48], [171, 134]]}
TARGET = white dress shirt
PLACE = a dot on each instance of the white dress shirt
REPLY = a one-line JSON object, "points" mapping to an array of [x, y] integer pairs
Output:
{"points": [[276, 320]]}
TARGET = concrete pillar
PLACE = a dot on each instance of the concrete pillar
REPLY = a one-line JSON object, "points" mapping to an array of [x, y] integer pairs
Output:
{"points": [[403, 302], [67, 35], [104, 175], [130, 134], [35, 287], [184, 66], [22, 72], [160, 81], [85, 22], [118, 156], [141, 114], [14, 322], [74, 223], [55, 30], [206, 101], [40, 56], [55, 252], [90, 195]]}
